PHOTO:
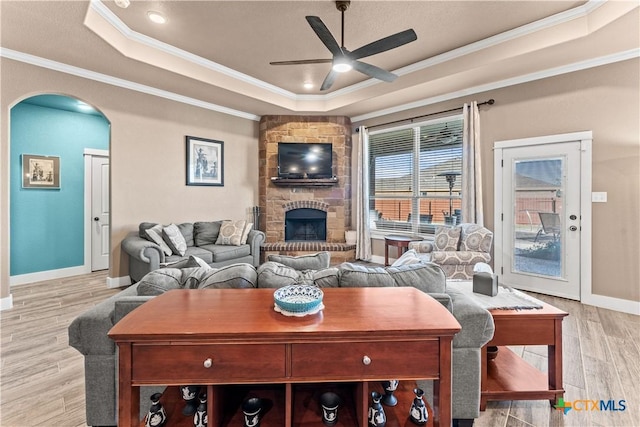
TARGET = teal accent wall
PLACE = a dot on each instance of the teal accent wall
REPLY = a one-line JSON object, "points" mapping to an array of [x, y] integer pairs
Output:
{"points": [[47, 226]]}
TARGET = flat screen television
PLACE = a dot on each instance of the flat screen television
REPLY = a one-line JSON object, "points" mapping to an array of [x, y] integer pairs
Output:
{"points": [[305, 160]]}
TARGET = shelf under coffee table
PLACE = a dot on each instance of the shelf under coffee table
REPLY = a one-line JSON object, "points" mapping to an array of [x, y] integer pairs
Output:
{"points": [[305, 405], [221, 337]]}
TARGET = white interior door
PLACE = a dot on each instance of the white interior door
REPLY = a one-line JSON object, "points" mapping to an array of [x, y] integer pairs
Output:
{"points": [[538, 244], [99, 213]]}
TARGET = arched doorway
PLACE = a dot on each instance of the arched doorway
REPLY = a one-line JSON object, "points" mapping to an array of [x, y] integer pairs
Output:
{"points": [[48, 223]]}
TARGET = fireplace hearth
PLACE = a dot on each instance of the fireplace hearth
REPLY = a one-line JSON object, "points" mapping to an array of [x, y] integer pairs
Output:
{"points": [[305, 225]]}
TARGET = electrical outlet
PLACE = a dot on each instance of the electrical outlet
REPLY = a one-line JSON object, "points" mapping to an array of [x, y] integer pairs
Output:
{"points": [[599, 196]]}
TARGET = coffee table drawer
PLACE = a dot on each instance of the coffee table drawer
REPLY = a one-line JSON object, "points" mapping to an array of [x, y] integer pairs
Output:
{"points": [[366, 360], [203, 363]]}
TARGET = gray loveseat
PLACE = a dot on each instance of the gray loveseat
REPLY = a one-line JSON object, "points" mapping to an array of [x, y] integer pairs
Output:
{"points": [[88, 332], [201, 239]]}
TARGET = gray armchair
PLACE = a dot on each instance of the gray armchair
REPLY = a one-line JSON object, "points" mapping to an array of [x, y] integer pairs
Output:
{"points": [[457, 250]]}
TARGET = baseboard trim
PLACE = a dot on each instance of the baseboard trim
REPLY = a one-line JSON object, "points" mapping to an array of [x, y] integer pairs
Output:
{"points": [[118, 282], [378, 259], [40, 276], [610, 303], [6, 303]]}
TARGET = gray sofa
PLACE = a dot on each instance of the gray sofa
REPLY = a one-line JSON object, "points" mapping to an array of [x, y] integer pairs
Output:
{"points": [[88, 332], [145, 255]]}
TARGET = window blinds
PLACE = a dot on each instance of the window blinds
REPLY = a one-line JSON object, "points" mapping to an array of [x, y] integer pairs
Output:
{"points": [[406, 167]]}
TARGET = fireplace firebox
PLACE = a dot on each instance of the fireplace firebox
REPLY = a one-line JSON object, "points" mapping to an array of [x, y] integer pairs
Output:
{"points": [[305, 225]]}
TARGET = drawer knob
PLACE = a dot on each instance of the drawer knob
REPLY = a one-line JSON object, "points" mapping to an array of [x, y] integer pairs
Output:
{"points": [[208, 363], [366, 360]]}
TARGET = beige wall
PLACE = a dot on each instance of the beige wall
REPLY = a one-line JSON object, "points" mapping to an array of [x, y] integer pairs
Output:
{"points": [[605, 100], [147, 156]]}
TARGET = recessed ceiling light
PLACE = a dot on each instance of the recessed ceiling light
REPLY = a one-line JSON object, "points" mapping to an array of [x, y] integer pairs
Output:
{"points": [[122, 3], [156, 17], [308, 85]]}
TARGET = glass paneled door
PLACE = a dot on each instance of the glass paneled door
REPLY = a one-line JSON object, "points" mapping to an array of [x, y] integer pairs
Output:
{"points": [[541, 218]]}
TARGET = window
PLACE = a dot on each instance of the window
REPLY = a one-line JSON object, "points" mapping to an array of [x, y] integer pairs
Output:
{"points": [[415, 176]]}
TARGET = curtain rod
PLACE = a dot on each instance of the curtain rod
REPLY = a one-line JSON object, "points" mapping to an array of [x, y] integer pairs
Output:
{"points": [[489, 102]]}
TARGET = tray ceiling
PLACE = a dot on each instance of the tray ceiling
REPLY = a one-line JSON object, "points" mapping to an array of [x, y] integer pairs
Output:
{"points": [[218, 52]]}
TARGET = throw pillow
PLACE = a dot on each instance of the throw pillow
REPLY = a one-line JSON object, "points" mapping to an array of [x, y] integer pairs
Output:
{"points": [[446, 239], [409, 257], [275, 275], [155, 235], [475, 237], [160, 281], [428, 277], [245, 233], [234, 276], [186, 229], [143, 227], [193, 276], [192, 261], [316, 261], [357, 276], [175, 239], [231, 233], [327, 277], [206, 233]]}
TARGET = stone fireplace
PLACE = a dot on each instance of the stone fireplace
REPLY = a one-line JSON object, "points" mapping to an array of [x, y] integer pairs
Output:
{"points": [[306, 217]]}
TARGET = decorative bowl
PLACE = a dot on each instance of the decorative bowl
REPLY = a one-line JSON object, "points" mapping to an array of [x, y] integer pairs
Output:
{"points": [[298, 298]]}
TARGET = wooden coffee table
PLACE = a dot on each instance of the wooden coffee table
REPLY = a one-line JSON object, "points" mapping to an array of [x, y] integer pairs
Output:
{"points": [[508, 377], [218, 337]]}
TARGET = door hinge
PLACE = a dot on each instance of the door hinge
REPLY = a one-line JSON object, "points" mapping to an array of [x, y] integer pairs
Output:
{"points": [[501, 163], [502, 271], [501, 217]]}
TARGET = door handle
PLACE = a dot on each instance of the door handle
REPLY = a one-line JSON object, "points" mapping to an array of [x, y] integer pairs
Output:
{"points": [[96, 219], [573, 228]]}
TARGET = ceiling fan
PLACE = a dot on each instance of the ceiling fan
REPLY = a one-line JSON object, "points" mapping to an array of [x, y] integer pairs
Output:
{"points": [[344, 60]]}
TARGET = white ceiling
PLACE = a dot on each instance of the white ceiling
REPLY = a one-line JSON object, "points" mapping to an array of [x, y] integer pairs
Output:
{"points": [[217, 53]]}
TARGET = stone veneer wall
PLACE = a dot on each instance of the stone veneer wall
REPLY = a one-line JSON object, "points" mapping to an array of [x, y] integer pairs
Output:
{"points": [[275, 200]]}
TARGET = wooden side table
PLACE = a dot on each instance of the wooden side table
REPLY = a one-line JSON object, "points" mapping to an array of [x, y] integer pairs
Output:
{"points": [[400, 242], [508, 377]]}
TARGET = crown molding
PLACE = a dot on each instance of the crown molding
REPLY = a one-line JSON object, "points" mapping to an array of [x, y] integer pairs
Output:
{"points": [[105, 13], [543, 24], [539, 75], [533, 27], [125, 84]]}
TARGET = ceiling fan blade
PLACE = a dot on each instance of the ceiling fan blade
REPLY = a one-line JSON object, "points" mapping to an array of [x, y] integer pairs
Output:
{"points": [[373, 71], [324, 34], [387, 43], [328, 81], [302, 61]]}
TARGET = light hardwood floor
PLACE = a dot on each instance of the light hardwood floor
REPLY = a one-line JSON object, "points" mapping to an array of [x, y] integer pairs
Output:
{"points": [[42, 378]]}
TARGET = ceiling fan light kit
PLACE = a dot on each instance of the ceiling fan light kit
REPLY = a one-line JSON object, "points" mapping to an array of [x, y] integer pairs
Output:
{"points": [[344, 60], [342, 65]]}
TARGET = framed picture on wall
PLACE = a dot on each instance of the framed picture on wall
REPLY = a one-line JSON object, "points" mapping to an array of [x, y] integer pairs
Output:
{"points": [[40, 172], [205, 161]]}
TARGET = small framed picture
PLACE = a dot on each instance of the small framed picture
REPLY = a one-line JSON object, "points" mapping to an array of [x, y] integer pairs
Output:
{"points": [[40, 172], [205, 161]]}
